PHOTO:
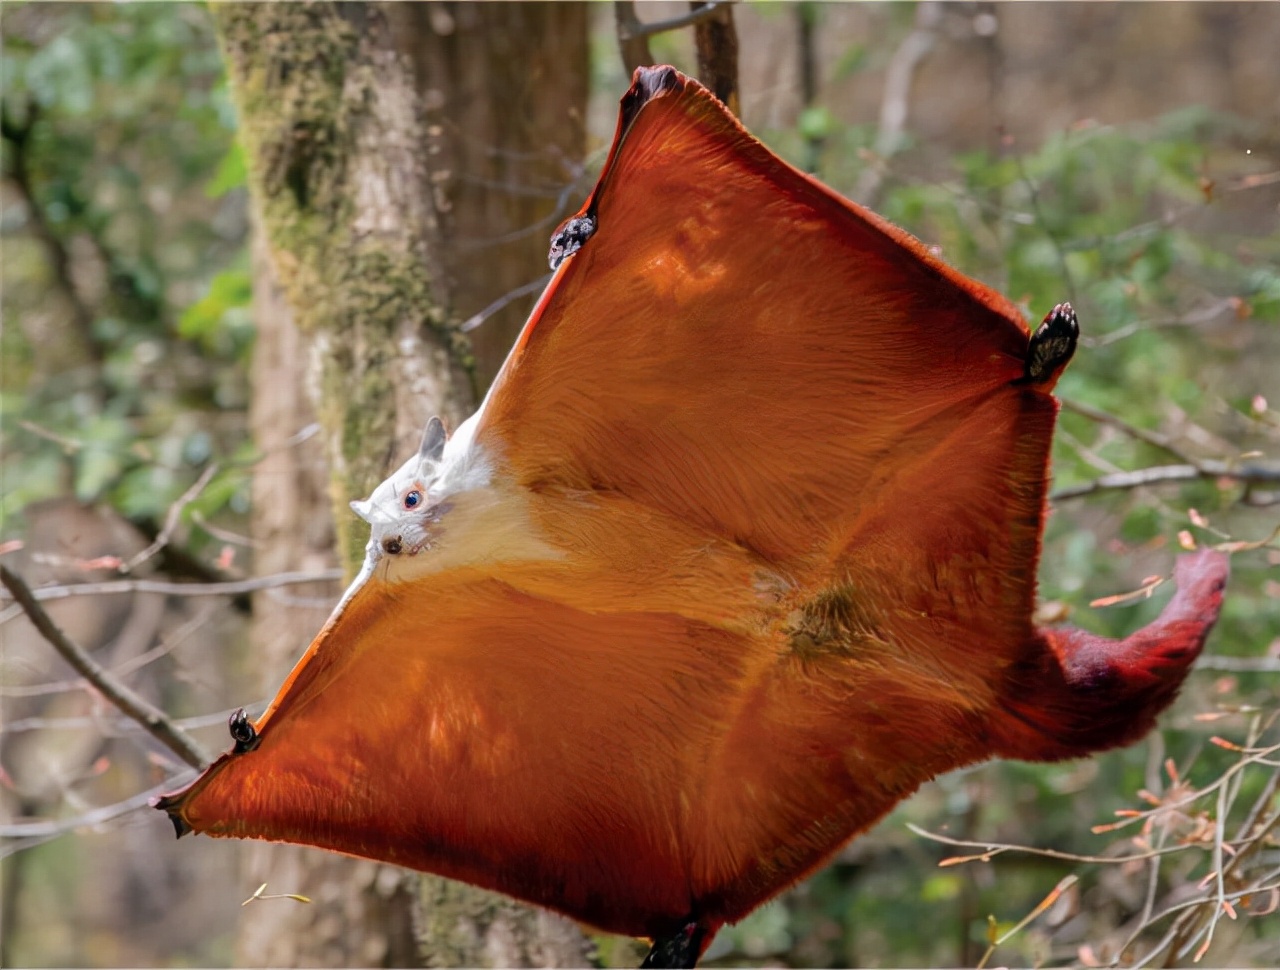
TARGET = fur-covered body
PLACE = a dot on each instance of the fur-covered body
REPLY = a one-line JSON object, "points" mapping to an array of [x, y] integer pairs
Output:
{"points": [[740, 550]]}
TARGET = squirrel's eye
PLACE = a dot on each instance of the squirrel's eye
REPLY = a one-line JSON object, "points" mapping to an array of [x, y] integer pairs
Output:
{"points": [[412, 499]]}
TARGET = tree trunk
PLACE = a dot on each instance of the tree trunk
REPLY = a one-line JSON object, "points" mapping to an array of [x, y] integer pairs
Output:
{"points": [[356, 120], [505, 86], [362, 914]]}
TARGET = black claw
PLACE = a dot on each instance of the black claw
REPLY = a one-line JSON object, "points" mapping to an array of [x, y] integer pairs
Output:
{"points": [[569, 238], [1052, 345], [679, 951], [180, 827], [243, 732]]}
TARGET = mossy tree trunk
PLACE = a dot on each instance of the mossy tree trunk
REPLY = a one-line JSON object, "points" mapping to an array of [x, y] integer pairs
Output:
{"points": [[356, 121]]}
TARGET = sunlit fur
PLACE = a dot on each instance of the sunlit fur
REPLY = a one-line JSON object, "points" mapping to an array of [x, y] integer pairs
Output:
{"points": [[740, 550]]}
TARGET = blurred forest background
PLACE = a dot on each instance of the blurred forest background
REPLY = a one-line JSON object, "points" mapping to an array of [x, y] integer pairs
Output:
{"points": [[247, 251]]}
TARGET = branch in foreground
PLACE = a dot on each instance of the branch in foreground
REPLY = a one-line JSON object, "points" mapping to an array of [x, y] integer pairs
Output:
{"points": [[896, 99], [476, 319], [633, 34], [1153, 438], [39, 831], [1248, 474], [1191, 468], [156, 722], [630, 26], [18, 135], [172, 519], [232, 587]]}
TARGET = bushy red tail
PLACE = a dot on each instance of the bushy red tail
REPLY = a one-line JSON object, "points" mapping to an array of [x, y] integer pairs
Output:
{"points": [[1078, 693]]}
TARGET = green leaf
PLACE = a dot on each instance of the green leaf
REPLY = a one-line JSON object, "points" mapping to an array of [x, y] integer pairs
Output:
{"points": [[229, 291], [816, 122], [231, 173]]}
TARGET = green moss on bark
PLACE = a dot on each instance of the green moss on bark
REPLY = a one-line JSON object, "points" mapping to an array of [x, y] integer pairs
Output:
{"points": [[304, 82]]}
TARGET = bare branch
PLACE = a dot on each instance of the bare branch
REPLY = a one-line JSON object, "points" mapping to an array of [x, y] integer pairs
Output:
{"points": [[120, 728], [1248, 474], [1153, 438], [896, 99], [553, 217], [632, 27], [1191, 908], [1134, 479], [39, 831], [633, 43], [233, 587], [69, 446], [989, 850], [1193, 318], [18, 135], [1192, 468], [476, 319], [137, 707], [633, 34], [168, 644], [171, 520], [1044, 225], [226, 535], [1259, 807]]}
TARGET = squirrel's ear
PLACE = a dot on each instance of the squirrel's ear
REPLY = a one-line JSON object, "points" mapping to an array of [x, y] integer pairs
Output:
{"points": [[364, 509], [433, 439]]}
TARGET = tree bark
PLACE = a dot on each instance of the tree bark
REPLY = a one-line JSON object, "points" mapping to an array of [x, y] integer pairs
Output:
{"points": [[716, 41], [355, 119], [505, 88], [333, 134], [362, 914]]}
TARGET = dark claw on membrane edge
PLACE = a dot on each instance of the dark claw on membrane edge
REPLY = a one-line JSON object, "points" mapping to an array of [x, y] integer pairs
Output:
{"points": [[1052, 345], [242, 732], [679, 950], [570, 238], [180, 827], [165, 804]]}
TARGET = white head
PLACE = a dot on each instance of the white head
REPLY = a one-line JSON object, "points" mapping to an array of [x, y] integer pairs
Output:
{"points": [[404, 509]]}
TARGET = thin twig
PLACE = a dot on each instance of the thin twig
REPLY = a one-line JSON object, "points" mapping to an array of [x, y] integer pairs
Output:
{"points": [[1190, 469], [1125, 480], [171, 519], [632, 27], [167, 645], [1052, 897], [1043, 223], [1153, 881], [1194, 318], [137, 707], [232, 587], [44, 830], [1191, 908], [121, 728], [992, 849], [1220, 898], [895, 102], [226, 535], [476, 319], [1260, 805], [1247, 474], [18, 135], [69, 446], [554, 216], [1153, 438]]}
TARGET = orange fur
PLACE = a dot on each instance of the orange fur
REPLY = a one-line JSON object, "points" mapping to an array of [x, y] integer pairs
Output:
{"points": [[757, 559]]}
